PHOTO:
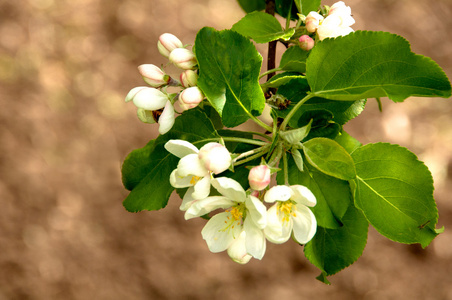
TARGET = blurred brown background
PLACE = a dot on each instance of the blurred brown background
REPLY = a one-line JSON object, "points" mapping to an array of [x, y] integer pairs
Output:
{"points": [[65, 68]]}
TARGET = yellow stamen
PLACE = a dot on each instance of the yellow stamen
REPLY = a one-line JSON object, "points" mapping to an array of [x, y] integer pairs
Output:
{"points": [[194, 180]]}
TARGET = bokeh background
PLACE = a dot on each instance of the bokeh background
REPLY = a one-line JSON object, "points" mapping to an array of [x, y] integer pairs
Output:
{"points": [[65, 68]]}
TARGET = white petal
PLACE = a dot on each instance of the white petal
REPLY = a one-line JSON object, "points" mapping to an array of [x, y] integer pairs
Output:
{"points": [[255, 239], [202, 188], [229, 188], [217, 236], [257, 211], [180, 148], [302, 195], [237, 250], [150, 99], [167, 118], [178, 181], [190, 165], [273, 230], [188, 200], [278, 193], [205, 206], [304, 225], [133, 92]]}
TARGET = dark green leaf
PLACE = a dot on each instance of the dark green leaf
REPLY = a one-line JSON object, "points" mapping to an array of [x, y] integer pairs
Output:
{"points": [[294, 59], [229, 67], [330, 158], [367, 64], [286, 8], [262, 28], [281, 79], [332, 250], [153, 166], [395, 192], [252, 5], [309, 5], [347, 141]]}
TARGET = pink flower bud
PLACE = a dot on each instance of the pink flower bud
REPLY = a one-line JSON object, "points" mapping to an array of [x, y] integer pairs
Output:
{"points": [[312, 21], [183, 58], [259, 177], [306, 42], [190, 98], [215, 157], [153, 75], [188, 78], [167, 43]]}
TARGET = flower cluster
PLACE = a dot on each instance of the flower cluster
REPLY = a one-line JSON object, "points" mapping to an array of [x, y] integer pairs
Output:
{"points": [[336, 22], [155, 104], [245, 224]]}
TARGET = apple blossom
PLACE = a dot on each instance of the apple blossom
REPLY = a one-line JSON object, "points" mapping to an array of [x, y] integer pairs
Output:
{"points": [[290, 214], [239, 228], [190, 97], [337, 23], [153, 75], [183, 58], [215, 157], [306, 42], [188, 78], [167, 43], [259, 177], [312, 21], [153, 100]]}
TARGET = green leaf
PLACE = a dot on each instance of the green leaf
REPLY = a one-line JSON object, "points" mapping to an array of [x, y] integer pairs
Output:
{"points": [[146, 171], [367, 64], [395, 192], [347, 141], [297, 89], [262, 28], [332, 250], [229, 67], [333, 195], [294, 59], [281, 79], [309, 5], [322, 124], [286, 8], [330, 158], [252, 5]]}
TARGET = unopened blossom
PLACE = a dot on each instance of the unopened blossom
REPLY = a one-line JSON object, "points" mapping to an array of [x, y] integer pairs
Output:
{"points": [[306, 42], [157, 103], [215, 157], [312, 21], [153, 75], [337, 23], [183, 58], [290, 214], [167, 43], [190, 98], [239, 228], [259, 177], [188, 78], [191, 172]]}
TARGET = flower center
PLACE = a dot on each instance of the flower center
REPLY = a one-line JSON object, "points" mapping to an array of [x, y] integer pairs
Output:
{"points": [[287, 208], [237, 214], [194, 180]]}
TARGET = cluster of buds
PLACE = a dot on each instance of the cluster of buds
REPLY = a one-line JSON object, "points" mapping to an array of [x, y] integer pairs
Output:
{"points": [[336, 22], [245, 224], [155, 104]]}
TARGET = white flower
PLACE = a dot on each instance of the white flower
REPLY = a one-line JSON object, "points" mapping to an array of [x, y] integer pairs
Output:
{"points": [[312, 21], [192, 172], [215, 157], [259, 177], [153, 100], [290, 213], [190, 98], [183, 58], [239, 228], [167, 43], [337, 23]]}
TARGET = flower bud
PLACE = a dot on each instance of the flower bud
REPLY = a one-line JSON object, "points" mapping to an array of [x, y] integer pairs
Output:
{"points": [[188, 78], [312, 21], [306, 42], [153, 75], [215, 157], [167, 43], [183, 58], [259, 177], [147, 98], [190, 98]]}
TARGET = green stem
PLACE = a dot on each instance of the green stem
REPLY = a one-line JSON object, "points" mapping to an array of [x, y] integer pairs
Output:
{"points": [[286, 169], [262, 151], [243, 140], [261, 135], [276, 155], [270, 71], [294, 110], [261, 124]]}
